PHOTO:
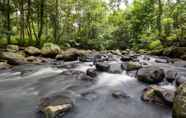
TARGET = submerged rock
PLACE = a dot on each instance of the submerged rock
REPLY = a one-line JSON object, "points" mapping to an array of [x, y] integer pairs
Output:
{"points": [[32, 51], [50, 50], [151, 75], [79, 75], [161, 61], [156, 94], [119, 94], [179, 105], [115, 68]]}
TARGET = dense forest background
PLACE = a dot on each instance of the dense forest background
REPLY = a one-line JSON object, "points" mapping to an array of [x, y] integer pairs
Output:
{"points": [[94, 24]]}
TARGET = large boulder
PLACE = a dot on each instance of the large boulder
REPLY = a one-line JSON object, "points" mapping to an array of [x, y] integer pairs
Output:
{"points": [[71, 54], [13, 58], [50, 50], [32, 51], [158, 95], [179, 104], [55, 106], [175, 51], [12, 48], [151, 75]]}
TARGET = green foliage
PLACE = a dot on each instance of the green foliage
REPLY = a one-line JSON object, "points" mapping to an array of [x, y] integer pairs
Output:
{"points": [[94, 24]]}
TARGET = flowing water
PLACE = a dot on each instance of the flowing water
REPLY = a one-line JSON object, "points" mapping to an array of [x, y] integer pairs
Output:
{"points": [[22, 87]]}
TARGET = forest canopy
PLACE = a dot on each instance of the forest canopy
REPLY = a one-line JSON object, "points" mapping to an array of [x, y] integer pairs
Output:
{"points": [[94, 24]]}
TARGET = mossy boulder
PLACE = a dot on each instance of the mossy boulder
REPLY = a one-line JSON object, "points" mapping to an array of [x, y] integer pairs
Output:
{"points": [[32, 51], [179, 104], [130, 66], [158, 95], [176, 52], [13, 58], [71, 54], [12, 48], [50, 50]]}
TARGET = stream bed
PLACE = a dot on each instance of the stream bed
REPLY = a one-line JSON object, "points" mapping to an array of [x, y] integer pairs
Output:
{"points": [[22, 87]]}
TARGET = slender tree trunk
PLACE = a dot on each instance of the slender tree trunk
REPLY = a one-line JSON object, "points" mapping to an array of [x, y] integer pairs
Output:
{"points": [[41, 22], [56, 22], [160, 12], [22, 21], [28, 21], [8, 22]]}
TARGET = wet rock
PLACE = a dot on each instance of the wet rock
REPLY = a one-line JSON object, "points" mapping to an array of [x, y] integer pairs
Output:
{"points": [[156, 94], [130, 66], [92, 72], [126, 58], [87, 78], [171, 75], [55, 106], [50, 50], [12, 48], [86, 58], [183, 57], [32, 51], [13, 58], [57, 111], [151, 75], [102, 66], [34, 60], [180, 80], [146, 58], [179, 105], [102, 58]]}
